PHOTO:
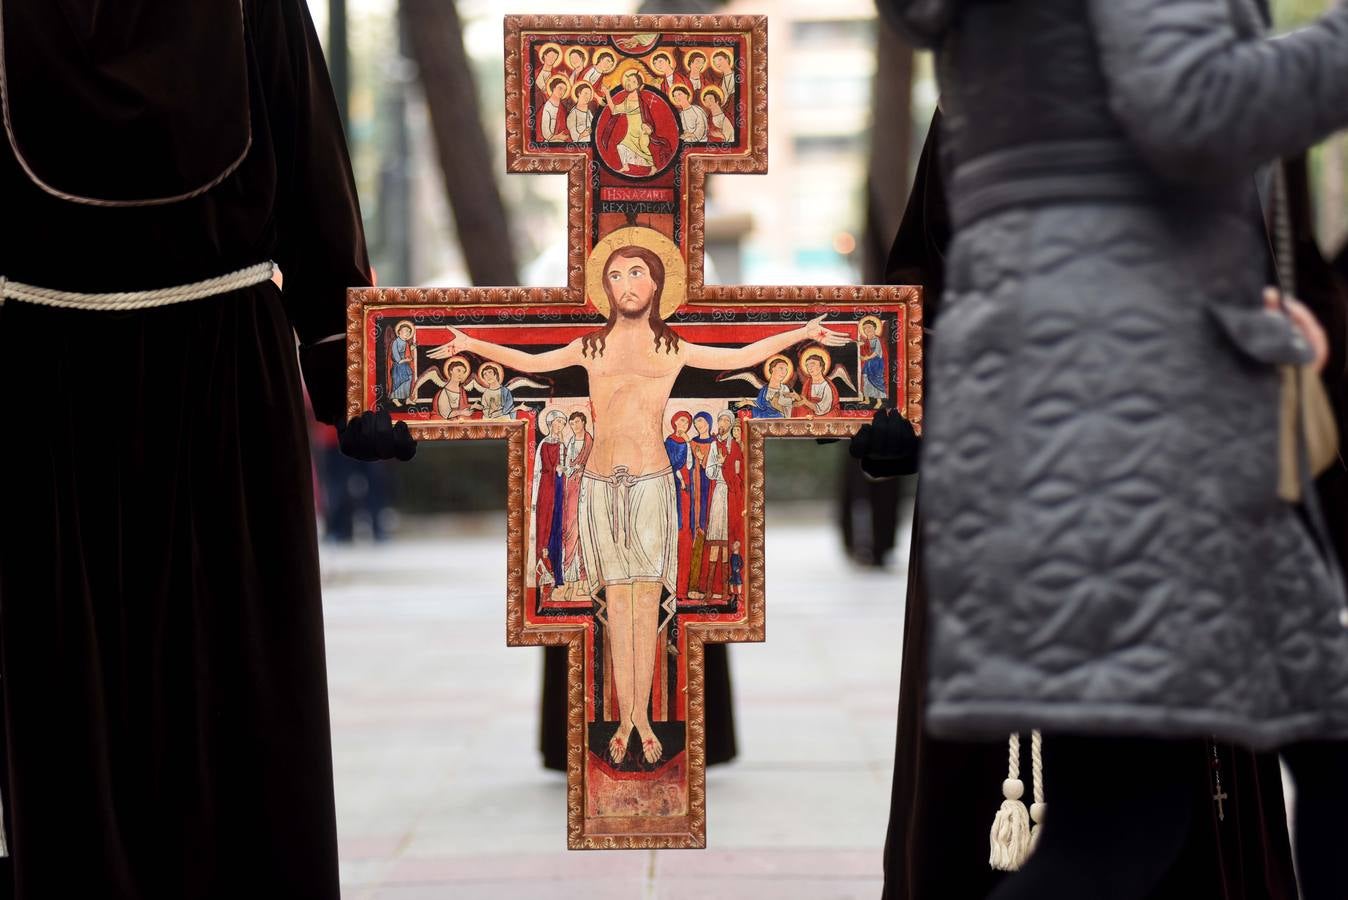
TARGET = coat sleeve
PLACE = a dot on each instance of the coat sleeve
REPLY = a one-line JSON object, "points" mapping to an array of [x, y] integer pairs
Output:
{"points": [[320, 238], [1204, 105]]}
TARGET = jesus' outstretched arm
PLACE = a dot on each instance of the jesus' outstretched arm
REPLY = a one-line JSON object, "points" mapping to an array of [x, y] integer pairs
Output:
{"points": [[520, 361], [730, 358]]}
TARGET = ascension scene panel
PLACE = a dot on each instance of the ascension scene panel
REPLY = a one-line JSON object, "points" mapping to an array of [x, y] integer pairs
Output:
{"points": [[635, 98]]}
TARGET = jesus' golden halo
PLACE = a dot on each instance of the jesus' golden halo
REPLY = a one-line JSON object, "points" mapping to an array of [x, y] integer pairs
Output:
{"points": [[676, 270]]}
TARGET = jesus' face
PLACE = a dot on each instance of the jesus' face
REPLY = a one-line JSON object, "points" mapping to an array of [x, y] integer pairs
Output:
{"points": [[632, 287], [631, 82]]}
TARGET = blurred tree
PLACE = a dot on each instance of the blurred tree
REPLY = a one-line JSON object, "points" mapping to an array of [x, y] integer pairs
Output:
{"points": [[434, 37]]}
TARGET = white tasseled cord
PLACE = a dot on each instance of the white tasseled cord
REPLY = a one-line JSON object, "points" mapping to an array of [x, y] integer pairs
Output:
{"points": [[129, 300], [1010, 837], [1039, 807]]}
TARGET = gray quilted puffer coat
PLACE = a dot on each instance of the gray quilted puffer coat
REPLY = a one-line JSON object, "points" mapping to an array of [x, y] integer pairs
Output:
{"points": [[1106, 549]]}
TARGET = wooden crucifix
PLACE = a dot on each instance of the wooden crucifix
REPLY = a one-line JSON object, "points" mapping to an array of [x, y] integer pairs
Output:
{"points": [[636, 399]]}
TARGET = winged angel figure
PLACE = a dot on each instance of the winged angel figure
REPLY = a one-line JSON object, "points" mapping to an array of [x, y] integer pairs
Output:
{"points": [[452, 401], [814, 395]]}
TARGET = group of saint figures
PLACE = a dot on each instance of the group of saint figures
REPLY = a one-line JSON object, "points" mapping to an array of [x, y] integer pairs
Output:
{"points": [[559, 463], [708, 464], [706, 458], [574, 84]]}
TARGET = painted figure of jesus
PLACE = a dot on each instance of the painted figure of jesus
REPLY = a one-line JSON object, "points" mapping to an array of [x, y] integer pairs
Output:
{"points": [[628, 512], [632, 127]]}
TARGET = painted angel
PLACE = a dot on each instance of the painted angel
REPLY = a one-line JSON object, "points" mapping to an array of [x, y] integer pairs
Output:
{"points": [[497, 400], [451, 401], [819, 392]]}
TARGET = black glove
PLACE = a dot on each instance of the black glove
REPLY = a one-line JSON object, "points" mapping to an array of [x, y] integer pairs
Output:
{"points": [[888, 446], [372, 436]]}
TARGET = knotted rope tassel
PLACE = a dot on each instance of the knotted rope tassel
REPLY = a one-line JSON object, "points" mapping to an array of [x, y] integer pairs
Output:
{"points": [[1010, 837], [1039, 807]]}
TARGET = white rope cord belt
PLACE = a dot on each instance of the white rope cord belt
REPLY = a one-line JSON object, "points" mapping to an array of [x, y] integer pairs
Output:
{"points": [[129, 300]]}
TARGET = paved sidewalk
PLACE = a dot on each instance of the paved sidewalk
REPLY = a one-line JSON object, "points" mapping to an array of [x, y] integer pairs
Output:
{"points": [[439, 789]]}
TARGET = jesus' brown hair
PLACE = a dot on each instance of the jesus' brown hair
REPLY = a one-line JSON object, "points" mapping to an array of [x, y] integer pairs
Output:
{"points": [[592, 344]]}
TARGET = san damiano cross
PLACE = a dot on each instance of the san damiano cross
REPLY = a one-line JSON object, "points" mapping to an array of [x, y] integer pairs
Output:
{"points": [[636, 399]]}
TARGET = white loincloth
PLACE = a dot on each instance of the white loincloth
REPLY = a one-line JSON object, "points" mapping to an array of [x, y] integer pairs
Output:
{"points": [[629, 529]]}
